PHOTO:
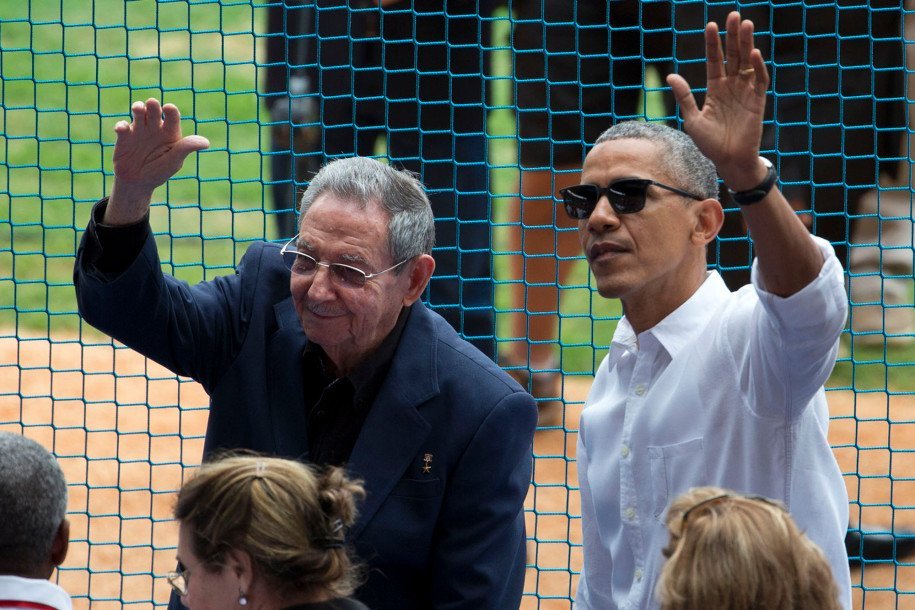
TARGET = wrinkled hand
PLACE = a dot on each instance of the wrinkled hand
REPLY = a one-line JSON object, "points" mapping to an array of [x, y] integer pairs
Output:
{"points": [[728, 129], [149, 150]]}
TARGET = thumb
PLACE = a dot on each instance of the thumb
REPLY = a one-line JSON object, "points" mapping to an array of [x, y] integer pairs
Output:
{"points": [[683, 95], [189, 144]]}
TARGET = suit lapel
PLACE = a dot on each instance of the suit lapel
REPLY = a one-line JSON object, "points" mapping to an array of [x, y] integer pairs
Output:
{"points": [[285, 386], [395, 430]]}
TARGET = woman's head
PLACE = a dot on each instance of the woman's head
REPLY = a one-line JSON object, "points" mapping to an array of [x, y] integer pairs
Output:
{"points": [[737, 552], [254, 523]]}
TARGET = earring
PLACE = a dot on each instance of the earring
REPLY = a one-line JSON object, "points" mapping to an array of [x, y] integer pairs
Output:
{"points": [[242, 600]]}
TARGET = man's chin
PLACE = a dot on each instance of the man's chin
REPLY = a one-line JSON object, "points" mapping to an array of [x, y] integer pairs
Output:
{"points": [[611, 289], [317, 326]]}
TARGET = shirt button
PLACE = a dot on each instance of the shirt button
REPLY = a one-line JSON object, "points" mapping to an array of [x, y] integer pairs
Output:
{"points": [[630, 513], [638, 575], [640, 389], [624, 451]]}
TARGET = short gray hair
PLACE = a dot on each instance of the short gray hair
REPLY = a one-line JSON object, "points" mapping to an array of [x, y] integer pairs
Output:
{"points": [[33, 504], [681, 158], [411, 225]]}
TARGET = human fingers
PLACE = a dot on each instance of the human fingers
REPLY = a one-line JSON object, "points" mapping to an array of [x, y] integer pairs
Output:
{"points": [[172, 118], [714, 58], [745, 37], [732, 42], [138, 111], [760, 70], [153, 113], [683, 95], [186, 146]]}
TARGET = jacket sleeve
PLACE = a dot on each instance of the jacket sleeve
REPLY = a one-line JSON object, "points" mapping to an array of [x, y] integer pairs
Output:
{"points": [[194, 331], [479, 551]]}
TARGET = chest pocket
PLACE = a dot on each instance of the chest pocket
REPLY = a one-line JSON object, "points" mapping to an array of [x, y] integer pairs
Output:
{"points": [[674, 469]]}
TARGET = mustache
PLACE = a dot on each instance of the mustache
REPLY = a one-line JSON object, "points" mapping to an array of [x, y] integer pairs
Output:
{"points": [[595, 249], [324, 309]]}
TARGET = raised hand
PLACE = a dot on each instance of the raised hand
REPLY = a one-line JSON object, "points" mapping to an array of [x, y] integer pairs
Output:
{"points": [[148, 151], [728, 128]]}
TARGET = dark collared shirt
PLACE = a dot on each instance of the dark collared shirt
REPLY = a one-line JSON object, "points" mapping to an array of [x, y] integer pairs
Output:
{"points": [[335, 408]]}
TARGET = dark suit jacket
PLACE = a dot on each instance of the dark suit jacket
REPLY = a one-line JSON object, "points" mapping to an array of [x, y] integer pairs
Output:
{"points": [[449, 537]]}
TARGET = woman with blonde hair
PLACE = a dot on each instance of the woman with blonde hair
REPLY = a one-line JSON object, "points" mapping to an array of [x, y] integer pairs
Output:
{"points": [[734, 552], [265, 533]]}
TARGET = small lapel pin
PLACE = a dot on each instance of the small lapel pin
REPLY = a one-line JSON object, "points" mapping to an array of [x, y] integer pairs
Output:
{"points": [[427, 463]]}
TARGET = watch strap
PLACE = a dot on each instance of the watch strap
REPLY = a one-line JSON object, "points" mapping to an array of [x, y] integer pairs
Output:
{"points": [[759, 192]]}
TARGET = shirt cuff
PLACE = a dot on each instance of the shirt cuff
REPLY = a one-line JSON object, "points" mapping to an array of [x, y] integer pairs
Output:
{"points": [[112, 249], [821, 300]]}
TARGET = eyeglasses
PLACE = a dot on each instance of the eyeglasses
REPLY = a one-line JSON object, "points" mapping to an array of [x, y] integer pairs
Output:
{"points": [[179, 579], [677, 528], [343, 275], [714, 499], [625, 196]]}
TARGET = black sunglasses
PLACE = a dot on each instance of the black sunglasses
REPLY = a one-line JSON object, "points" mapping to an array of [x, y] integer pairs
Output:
{"points": [[625, 196]]}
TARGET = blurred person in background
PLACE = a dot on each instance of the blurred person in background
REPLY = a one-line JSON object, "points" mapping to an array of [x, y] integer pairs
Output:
{"points": [[578, 66], [34, 530], [267, 534]]}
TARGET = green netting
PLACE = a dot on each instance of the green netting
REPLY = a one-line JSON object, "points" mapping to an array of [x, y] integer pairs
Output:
{"points": [[126, 431]]}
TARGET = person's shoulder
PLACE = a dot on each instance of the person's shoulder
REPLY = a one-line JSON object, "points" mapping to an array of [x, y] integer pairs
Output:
{"points": [[461, 367], [264, 260], [263, 275], [264, 252]]}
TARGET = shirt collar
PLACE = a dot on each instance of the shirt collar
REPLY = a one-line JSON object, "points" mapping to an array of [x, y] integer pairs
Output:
{"points": [[681, 327]]}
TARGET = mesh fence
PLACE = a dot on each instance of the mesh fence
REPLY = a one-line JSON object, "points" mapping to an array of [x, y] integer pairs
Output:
{"points": [[493, 106]]}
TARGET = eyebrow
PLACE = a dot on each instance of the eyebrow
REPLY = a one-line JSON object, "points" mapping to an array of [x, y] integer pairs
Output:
{"points": [[306, 246], [354, 258]]}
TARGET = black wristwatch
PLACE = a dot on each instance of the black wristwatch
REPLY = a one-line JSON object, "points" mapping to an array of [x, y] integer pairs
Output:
{"points": [[759, 192]]}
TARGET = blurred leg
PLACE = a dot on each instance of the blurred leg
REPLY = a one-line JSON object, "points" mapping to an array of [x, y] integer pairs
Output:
{"points": [[540, 271]]}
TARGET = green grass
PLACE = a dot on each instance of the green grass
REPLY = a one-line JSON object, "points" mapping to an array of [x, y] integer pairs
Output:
{"points": [[70, 71]]}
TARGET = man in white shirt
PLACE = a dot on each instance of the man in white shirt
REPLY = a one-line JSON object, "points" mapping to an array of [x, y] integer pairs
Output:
{"points": [[34, 531], [702, 386]]}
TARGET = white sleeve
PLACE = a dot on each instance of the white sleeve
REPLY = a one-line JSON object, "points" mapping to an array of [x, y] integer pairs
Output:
{"points": [[793, 341]]}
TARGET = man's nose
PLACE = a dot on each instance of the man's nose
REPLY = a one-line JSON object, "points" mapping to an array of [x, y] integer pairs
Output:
{"points": [[322, 285], [604, 217]]}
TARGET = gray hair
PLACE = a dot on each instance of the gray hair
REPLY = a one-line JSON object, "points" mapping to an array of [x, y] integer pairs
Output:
{"points": [[33, 504], [411, 225], [681, 158]]}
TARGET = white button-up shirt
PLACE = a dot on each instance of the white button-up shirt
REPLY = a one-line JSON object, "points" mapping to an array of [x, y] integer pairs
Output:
{"points": [[42, 593], [727, 391]]}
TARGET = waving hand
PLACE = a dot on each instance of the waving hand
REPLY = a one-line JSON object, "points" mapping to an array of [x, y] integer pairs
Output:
{"points": [[148, 151], [728, 128]]}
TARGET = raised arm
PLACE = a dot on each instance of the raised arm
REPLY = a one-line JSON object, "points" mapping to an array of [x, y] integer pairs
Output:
{"points": [[148, 151], [728, 130]]}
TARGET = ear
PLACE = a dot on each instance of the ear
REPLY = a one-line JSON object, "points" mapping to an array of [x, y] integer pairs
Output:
{"points": [[240, 564], [61, 543], [419, 273], [709, 216]]}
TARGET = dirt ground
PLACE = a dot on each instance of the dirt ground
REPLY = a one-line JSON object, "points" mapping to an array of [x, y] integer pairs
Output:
{"points": [[125, 440]]}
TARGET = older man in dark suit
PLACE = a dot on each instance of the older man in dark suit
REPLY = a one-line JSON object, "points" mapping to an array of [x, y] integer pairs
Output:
{"points": [[321, 350]]}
